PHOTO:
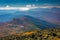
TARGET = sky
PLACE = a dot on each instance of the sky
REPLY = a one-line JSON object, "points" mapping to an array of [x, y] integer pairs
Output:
{"points": [[51, 15], [29, 2]]}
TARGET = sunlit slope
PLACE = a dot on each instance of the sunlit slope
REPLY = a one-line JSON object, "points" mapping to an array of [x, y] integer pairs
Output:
{"points": [[48, 34]]}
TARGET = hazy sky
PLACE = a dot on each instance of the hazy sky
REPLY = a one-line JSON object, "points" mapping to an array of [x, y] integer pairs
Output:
{"points": [[52, 15], [29, 2]]}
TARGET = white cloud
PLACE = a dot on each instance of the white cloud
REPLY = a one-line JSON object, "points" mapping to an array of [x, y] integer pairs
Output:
{"points": [[7, 6], [49, 6], [28, 7], [24, 9]]}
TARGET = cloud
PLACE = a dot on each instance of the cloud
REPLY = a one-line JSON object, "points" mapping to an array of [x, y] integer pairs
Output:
{"points": [[26, 8], [49, 6]]}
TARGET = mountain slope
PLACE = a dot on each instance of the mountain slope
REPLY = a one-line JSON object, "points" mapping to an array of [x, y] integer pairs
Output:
{"points": [[24, 23], [49, 34], [28, 21]]}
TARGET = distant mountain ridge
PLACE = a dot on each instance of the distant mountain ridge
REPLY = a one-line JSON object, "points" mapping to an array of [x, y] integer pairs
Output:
{"points": [[49, 14], [24, 23], [25, 20]]}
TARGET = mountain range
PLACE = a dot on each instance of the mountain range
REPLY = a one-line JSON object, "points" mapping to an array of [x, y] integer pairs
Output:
{"points": [[24, 23], [48, 14]]}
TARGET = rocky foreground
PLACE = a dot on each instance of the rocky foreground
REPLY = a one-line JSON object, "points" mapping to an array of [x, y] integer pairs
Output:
{"points": [[48, 34]]}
